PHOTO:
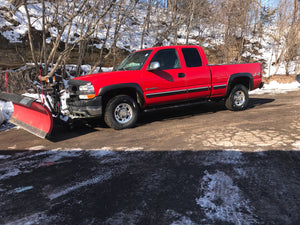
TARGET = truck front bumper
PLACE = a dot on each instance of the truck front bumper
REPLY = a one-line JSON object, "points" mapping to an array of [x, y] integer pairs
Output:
{"points": [[85, 108]]}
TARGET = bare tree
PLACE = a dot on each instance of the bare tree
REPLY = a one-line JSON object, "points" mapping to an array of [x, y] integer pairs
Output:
{"points": [[29, 35], [292, 37], [286, 34], [101, 56], [146, 21], [84, 14]]}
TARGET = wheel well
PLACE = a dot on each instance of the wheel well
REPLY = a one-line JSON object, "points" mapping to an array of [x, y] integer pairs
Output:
{"points": [[241, 80], [244, 80], [122, 91]]}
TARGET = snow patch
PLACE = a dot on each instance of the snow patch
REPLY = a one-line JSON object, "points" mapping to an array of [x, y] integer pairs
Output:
{"points": [[276, 88], [296, 145], [222, 200], [5, 3], [77, 186], [12, 147], [5, 156], [6, 110], [183, 221], [130, 149], [39, 147], [54, 156], [100, 154], [22, 189], [10, 173], [36, 218]]}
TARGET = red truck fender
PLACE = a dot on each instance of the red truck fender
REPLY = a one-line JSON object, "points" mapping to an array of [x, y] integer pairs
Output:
{"points": [[131, 89], [245, 79]]}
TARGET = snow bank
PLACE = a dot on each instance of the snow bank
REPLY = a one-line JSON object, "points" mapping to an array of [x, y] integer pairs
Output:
{"points": [[276, 88], [6, 110]]}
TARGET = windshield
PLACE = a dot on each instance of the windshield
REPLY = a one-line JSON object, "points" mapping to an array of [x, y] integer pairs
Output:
{"points": [[134, 61]]}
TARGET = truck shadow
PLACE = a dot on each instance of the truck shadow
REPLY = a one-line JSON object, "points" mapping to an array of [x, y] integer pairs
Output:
{"points": [[62, 133], [254, 102], [192, 109], [81, 128]]}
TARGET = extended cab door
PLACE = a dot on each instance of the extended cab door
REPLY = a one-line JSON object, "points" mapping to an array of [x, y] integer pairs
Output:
{"points": [[167, 83], [197, 73]]}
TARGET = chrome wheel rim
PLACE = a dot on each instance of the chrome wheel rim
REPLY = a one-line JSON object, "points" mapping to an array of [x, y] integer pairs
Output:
{"points": [[123, 113], [239, 98]]}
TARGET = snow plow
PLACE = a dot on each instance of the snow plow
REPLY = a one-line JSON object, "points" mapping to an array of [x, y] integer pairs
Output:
{"points": [[30, 114], [33, 114]]}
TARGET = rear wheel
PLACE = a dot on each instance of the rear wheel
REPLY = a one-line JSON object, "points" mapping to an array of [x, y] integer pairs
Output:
{"points": [[121, 112], [238, 98]]}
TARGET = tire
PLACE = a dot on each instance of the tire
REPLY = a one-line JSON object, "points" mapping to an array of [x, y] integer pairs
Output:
{"points": [[121, 112], [238, 98]]}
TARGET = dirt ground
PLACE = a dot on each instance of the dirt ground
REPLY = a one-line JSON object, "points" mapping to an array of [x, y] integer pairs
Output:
{"points": [[271, 122], [229, 168]]}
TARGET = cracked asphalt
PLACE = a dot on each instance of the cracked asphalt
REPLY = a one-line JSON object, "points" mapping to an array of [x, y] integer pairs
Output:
{"points": [[271, 122]]}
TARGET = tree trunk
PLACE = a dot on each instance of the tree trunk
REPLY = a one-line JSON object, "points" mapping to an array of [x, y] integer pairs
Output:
{"points": [[30, 36]]}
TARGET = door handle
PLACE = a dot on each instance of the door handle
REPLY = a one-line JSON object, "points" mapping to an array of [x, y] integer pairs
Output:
{"points": [[180, 75]]}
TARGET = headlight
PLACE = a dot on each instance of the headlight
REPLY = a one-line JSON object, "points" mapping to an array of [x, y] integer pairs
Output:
{"points": [[87, 88], [86, 91]]}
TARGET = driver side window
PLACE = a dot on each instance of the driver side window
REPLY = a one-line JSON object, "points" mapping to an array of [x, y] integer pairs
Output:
{"points": [[167, 58]]}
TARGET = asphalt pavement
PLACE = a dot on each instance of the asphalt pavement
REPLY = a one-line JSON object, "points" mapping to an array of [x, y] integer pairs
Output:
{"points": [[140, 187]]}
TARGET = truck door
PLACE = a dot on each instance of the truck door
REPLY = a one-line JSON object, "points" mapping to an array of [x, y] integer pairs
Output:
{"points": [[167, 83], [198, 75]]}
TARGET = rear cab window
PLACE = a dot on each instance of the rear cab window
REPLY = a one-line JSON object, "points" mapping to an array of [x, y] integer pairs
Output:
{"points": [[191, 57]]}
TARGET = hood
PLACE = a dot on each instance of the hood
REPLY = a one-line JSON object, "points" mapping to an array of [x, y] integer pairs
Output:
{"points": [[100, 80]]}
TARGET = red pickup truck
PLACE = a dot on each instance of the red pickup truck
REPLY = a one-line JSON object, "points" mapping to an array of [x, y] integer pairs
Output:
{"points": [[156, 76]]}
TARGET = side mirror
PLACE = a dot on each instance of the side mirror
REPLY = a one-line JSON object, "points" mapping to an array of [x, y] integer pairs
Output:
{"points": [[154, 66]]}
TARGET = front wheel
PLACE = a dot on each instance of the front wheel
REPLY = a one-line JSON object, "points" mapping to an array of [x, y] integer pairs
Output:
{"points": [[121, 112], [238, 98]]}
